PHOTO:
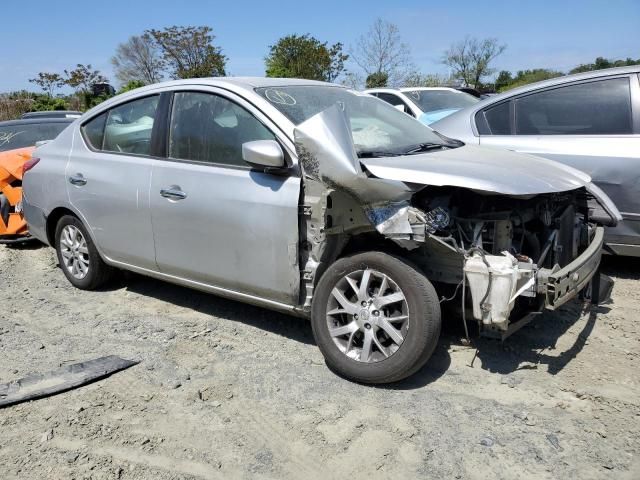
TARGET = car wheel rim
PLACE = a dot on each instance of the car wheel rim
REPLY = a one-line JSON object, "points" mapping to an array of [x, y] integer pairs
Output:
{"points": [[74, 251], [367, 316]]}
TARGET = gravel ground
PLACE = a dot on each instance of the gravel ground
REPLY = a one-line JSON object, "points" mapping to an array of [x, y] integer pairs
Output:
{"points": [[225, 390]]}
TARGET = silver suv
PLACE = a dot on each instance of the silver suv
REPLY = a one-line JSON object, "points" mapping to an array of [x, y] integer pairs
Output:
{"points": [[311, 199]]}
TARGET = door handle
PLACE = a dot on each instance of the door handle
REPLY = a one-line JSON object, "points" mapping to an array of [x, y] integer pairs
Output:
{"points": [[77, 179], [173, 193]]}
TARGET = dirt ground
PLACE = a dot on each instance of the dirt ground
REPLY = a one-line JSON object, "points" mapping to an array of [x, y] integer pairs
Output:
{"points": [[225, 390]]}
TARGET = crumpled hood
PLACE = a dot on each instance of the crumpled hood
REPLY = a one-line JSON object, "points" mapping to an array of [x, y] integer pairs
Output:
{"points": [[480, 168]]}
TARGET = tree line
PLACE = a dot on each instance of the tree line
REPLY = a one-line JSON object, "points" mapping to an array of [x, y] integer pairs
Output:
{"points": [[378, 58]]}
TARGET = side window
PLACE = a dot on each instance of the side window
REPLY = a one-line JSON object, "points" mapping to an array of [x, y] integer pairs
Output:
{"points": [[94, 131], [495, 120], [209, 128], [395, 101], [128, 126], [595, 108]]}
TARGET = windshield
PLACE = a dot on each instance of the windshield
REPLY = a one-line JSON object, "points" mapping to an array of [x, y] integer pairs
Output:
{"points": [[27, 134], [378, 129], [433, 100]]}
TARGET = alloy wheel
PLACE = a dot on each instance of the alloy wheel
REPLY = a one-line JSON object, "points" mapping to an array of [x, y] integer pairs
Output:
{"points": [[74, 251], [367, 316]]}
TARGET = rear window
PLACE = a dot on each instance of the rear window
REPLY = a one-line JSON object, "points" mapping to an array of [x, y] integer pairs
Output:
{"points": [[26, 135]]}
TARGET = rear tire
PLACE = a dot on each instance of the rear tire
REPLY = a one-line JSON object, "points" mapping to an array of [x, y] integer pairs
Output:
{"points": [[78, 256], [375, 318]]}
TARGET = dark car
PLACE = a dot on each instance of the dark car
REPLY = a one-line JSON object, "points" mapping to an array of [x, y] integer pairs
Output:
{"points": [[27, 132]]}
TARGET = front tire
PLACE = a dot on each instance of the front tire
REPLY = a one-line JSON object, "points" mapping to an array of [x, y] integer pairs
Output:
{"points": [[375, 318], [78, 256]]}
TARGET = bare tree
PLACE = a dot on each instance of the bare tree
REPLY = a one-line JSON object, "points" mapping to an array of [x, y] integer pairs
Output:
{"points": [[48, 82], [469, 59], [381, 51], [138, 59]]}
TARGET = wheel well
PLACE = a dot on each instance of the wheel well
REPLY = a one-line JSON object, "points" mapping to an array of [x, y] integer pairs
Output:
{"points": [[366, 242], [52, 222]]}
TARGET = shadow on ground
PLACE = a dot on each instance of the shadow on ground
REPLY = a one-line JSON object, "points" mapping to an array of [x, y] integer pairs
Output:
{"points": [[287, 326], [532, 347]]}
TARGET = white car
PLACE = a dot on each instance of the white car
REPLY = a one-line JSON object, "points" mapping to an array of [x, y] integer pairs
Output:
{"points": [[427, 104]]}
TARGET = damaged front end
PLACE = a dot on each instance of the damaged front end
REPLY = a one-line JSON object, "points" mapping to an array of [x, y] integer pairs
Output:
{"points": [[517, 239]]}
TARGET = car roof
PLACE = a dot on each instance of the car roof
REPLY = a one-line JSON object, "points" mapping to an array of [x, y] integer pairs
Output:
{"points": [[606, 72], [412, 89], [52, 114], [461, 116], [407, 89], [35, 121], [244, 82]]}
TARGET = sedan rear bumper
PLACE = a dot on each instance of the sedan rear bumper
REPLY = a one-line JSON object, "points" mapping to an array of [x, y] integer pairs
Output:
{"points": [[36, 220]]}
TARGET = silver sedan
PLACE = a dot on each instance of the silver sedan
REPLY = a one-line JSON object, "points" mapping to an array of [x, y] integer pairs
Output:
{"points": [[311, 199], [590, 121]]}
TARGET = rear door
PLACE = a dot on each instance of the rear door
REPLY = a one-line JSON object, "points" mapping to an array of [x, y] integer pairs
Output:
{"points": [[108, 177], [216, 220], [592, 125]]}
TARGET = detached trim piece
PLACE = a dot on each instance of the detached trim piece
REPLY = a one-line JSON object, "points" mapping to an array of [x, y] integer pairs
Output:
{"points": [[65, 378], [565, 284]]}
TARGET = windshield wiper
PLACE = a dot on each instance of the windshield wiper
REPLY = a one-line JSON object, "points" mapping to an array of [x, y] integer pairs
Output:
{"points": [[375, 154], [424, 147]]}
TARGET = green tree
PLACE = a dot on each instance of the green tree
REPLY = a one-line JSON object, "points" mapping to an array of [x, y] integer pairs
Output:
{"points": [[377, 80], [338, 59], [303, 56], [189, 52], [471, 58], [131, 85], [524, 77], [49, 82], [503, 80], [601, 63]]}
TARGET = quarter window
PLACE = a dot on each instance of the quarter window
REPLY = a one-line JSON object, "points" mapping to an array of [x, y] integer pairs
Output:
{"points": [[595, 108], [94, 131], [128, 127], [210, 128], [498, 120]]}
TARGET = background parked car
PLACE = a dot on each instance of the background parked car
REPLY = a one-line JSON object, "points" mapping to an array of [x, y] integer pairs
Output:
{"points": [[590, 121], [427, 104], [17, 140], [27, 132]]}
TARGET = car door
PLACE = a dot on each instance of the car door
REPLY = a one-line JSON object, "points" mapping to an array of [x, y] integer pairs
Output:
{"points": [[215, 219], [590, 125], [108, 177]]}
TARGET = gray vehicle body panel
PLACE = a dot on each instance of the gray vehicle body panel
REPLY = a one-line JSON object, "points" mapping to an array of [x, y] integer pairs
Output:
{"points": [[613, 161], [236, 232]]}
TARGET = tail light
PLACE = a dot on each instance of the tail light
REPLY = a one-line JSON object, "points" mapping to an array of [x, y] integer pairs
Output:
{"points": [[29, 164]]}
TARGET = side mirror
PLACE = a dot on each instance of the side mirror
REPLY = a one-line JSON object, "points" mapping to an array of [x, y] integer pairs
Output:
{"points": [[264, 153], [400, 107]]}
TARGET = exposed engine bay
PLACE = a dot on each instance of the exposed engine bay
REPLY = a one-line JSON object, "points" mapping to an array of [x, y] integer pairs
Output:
{"points": [[507, 250]]}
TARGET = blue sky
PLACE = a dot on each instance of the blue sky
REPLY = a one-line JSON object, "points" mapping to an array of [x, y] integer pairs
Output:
{"points": [[38, 35]]}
